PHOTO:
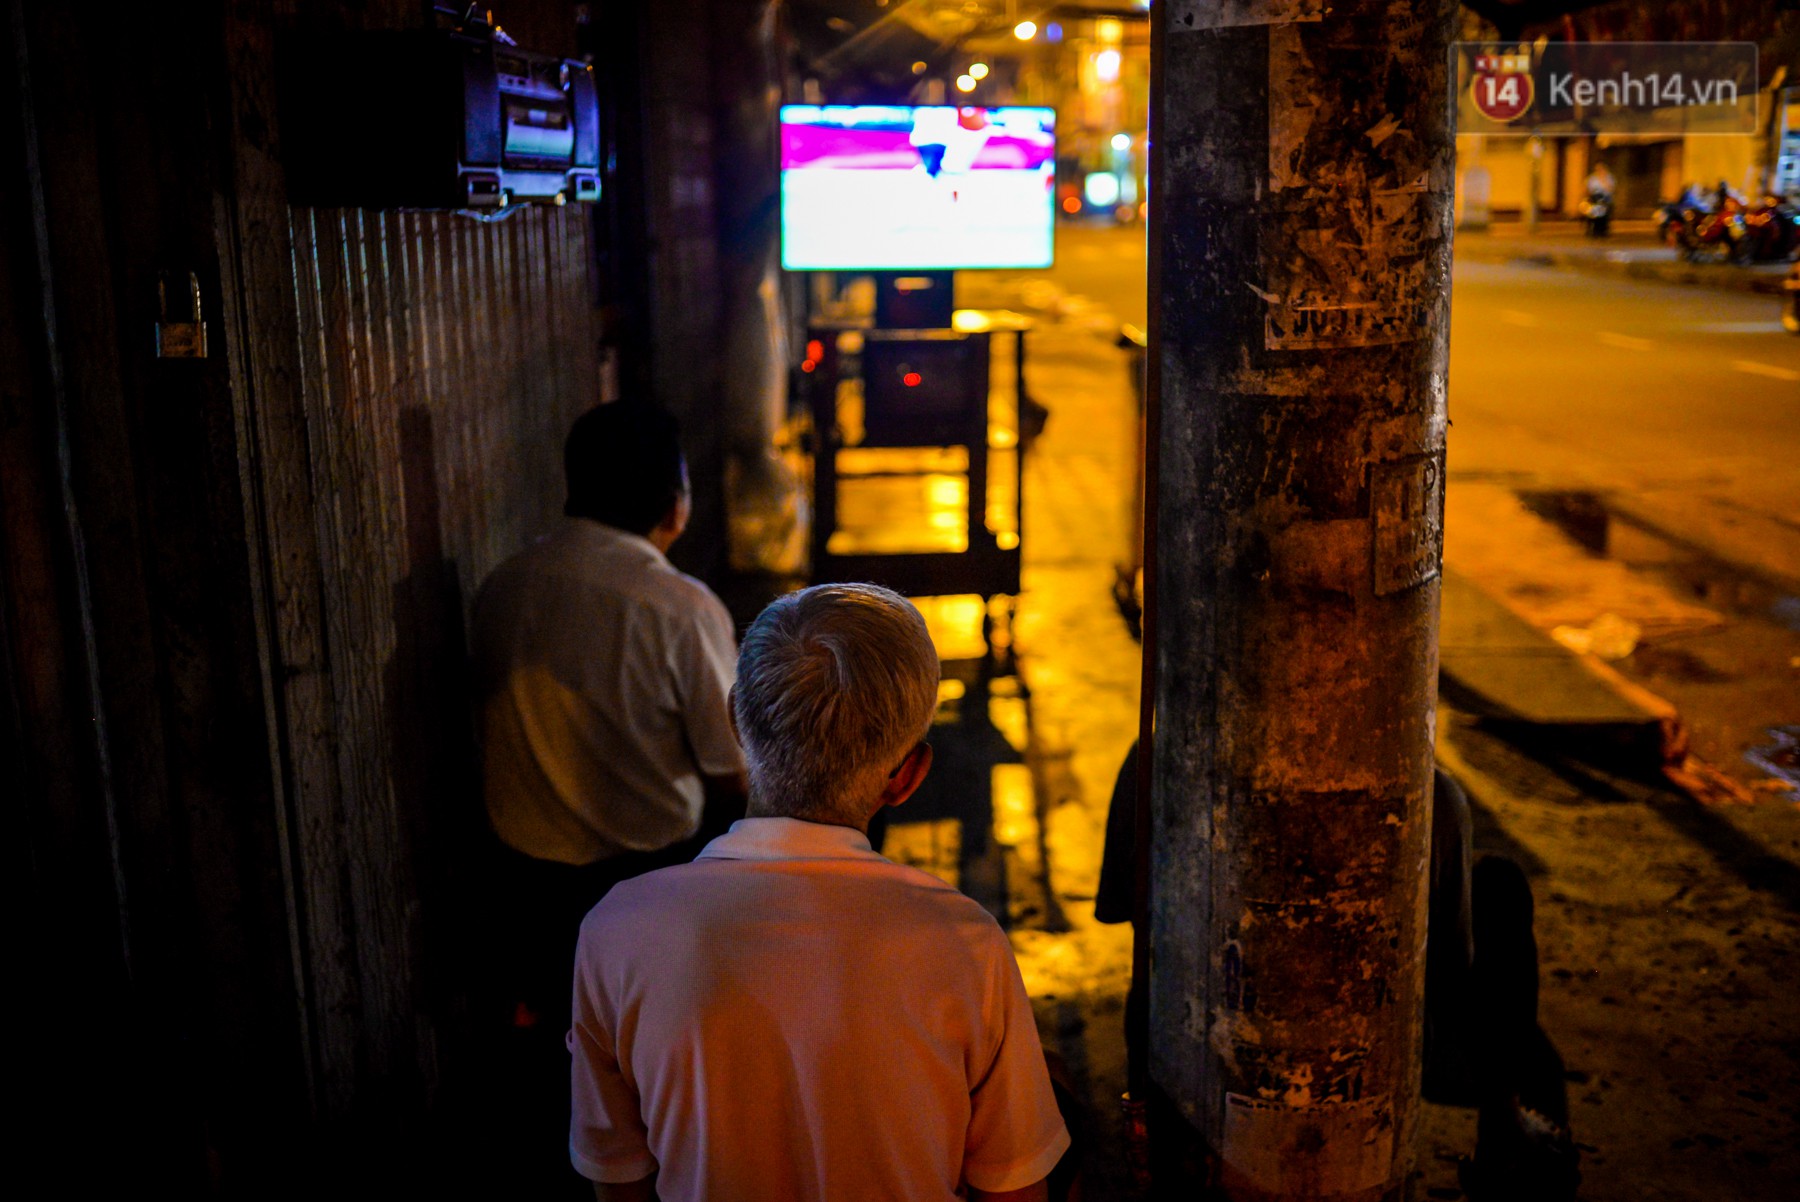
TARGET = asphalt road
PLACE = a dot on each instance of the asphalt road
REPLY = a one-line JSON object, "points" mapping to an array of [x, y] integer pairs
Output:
{"points": [[1643, 389], [1686, 399], [1104, 264]]}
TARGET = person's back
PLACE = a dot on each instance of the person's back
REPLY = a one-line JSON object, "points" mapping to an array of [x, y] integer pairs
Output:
{"points": [[603, 672], [781, 1051], [793, 1017]]}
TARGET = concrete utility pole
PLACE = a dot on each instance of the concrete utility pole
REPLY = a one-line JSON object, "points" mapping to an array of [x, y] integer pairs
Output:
{"points": [[1301, 211]]}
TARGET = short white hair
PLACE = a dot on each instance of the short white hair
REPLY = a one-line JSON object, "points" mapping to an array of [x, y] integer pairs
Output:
{"points": [[835, 685]]}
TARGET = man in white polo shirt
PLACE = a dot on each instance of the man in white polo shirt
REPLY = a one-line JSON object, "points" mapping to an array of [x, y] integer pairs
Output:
{"points": [[792, 1017], [603, 675]]}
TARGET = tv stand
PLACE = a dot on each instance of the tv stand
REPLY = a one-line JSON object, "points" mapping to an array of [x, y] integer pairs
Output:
{"points": [[911, 422], [914, 300]]}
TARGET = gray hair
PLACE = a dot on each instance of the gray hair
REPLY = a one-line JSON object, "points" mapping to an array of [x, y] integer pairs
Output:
{"points": [[835, 684]]}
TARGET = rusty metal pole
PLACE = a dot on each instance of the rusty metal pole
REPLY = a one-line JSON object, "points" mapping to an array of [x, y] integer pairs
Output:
{"points": [[1301, 212]]}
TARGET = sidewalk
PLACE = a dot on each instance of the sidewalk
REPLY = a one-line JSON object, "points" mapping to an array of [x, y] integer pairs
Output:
{"points": [[1631, 252]]}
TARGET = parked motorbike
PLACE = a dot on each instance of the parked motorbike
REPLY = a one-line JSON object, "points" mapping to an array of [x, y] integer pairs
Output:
{"points": [[1771, 231], [1675, 220], [1718, 234], [1596, 211]]}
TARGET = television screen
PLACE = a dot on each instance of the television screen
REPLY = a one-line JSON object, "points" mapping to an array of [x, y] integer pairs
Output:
{"points": [[896, 188]]}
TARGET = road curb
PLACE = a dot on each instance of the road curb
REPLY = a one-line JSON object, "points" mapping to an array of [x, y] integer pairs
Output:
{"points": [[1723, 277], [1497, 666]]}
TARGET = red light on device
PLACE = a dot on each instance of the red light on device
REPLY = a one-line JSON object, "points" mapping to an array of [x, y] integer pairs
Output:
{"points": [[807, 365], [912, 379], [815, 350]]}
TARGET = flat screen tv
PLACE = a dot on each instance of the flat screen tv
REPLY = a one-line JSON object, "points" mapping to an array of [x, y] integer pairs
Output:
{"points": [[929, 188]]}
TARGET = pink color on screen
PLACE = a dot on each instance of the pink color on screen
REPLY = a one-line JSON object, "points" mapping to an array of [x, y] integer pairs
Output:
{"points": [[890, 149]]}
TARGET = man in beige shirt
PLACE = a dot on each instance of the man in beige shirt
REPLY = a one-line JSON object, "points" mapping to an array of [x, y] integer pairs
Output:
{"points": [[603, 670], [791, 1017], [602, 675]]}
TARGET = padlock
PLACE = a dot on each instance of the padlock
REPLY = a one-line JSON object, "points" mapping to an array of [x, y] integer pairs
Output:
{"points": [[179, 339]]}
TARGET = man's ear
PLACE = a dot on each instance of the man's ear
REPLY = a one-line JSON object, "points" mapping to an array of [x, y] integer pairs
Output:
{"points": [[908, 777], [680, 511], [666, 532], [731, 713]]}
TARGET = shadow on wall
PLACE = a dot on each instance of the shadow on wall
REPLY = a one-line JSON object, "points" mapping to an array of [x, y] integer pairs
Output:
{"points": [[430, 728], [441, 363]]}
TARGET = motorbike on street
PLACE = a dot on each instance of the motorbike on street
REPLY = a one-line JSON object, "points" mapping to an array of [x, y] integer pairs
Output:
{"points": [[1676, 219], [1771, 231], [1596, 212], [1717, 235]]}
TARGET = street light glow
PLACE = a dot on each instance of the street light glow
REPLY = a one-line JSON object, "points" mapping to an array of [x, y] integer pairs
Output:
{"points": [[1121, 141], [1101, 189], [965, 83], [1025, 30], [1106, 66], [978, 70]]}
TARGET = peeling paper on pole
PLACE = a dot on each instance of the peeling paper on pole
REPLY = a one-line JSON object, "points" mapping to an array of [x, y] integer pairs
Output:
{"points": [[1195, 16], [1359, 278], [1292, 105], [1406, 507]]}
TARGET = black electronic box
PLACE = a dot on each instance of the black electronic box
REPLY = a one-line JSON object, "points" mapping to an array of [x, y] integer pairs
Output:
{"points": [[436, 119], [924, 388]]}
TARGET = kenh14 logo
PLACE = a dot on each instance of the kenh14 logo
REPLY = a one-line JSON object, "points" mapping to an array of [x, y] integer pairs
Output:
{"points": [[1501, 86]]}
